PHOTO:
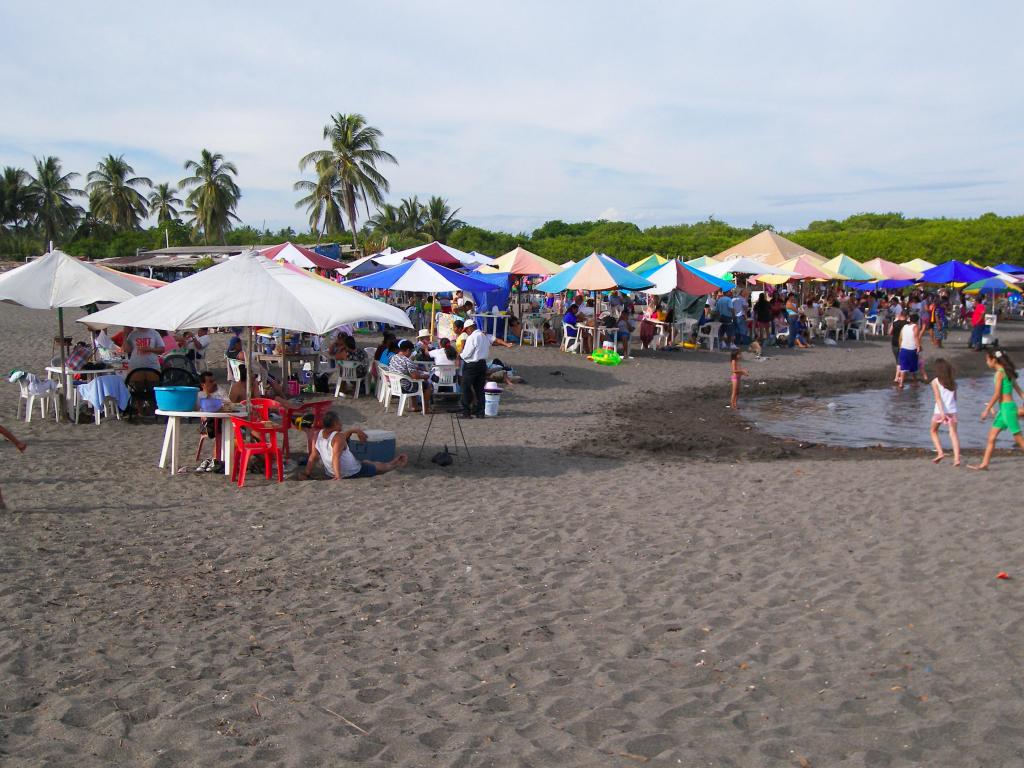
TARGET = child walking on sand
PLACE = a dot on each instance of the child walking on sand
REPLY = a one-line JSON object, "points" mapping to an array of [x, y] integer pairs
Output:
{"points": [[4, 432], [1007, 411], [737, 374], [944, 389]]}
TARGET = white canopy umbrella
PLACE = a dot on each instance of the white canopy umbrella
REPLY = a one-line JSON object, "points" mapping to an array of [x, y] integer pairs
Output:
{"points": [[250, 290], [744, 266], [57, 280]]}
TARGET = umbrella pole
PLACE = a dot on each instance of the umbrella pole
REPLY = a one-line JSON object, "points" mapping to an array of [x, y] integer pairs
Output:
{"points": [[63, 397], [249, 373], [433, 314]]}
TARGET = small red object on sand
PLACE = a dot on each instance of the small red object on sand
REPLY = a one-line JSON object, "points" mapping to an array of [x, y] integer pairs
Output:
{"points": [[1002, 575]]}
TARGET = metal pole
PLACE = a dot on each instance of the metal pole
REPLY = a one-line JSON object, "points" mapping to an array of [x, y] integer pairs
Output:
{"points": [[64, 384], [249, 373]]}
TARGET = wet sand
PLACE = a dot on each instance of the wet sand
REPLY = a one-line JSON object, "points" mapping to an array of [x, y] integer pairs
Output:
{"points": [[612, 581]]}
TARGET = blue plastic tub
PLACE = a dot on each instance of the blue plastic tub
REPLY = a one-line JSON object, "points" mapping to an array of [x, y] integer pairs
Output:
{"points": [[176, 398]]}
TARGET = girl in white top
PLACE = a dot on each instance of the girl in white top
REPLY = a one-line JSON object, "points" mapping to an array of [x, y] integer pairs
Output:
{"points": [[944, 389], [331, 447]]}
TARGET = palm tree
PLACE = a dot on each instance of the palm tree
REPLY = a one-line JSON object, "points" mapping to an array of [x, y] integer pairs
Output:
{"points": [[439, 220], [354, 152], [411, 215], [214, 195], [323, 200], [114, 195], [15, 199], [51, 194], [387, 220], [162, 202]]}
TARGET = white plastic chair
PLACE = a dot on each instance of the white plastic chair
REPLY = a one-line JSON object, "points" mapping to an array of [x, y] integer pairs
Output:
{"points": [[832, 328], [382, 381], [26, 400], [708, 335], [873, 325], [446, 384], [394, 389], [684, 328], [347, 374], [857, 330], [570, 343], [532, 328]]}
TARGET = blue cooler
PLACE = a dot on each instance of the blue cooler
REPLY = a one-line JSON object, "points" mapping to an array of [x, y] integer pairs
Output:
{"points": [[379, 446]]}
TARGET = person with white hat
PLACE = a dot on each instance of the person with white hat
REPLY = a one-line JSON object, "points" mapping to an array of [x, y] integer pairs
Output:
{"points": [[423, 345]]}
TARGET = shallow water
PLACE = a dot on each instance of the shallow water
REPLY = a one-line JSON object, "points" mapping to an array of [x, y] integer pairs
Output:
{"points": [[874, 417]]}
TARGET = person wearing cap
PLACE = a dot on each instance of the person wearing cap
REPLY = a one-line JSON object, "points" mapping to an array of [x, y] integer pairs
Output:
{"points": [[402, 363], [474, 370]]}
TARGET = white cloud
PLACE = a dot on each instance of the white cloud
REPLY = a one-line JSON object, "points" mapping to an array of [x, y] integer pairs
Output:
{"points": [[524, 112]]}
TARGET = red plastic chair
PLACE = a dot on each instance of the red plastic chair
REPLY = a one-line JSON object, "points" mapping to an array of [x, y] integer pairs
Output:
{"points": [[261, 409], [265, 445]]}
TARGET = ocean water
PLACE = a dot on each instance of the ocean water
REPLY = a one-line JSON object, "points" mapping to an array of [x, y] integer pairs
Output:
{"points": [[874, 417]]}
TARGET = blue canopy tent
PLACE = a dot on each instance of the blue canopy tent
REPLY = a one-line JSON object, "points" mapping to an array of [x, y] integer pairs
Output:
{"points": [[955, 272], [422, 276], [1010, 269], [497, 296]]}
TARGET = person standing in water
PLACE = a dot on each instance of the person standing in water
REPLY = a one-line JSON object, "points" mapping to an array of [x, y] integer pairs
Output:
{"points": [[909, 349], [944, 389], [1007, 411], [737, 374]]}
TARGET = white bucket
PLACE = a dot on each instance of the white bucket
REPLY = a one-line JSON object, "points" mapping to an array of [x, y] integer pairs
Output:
{"points": [[491, 400]]}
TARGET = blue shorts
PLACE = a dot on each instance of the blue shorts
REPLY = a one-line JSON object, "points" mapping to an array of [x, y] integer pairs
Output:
{"points": [[368, 469], [908, 360]]}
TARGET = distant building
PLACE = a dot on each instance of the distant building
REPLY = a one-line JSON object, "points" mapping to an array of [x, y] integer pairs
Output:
{"points": [[176, 262]]}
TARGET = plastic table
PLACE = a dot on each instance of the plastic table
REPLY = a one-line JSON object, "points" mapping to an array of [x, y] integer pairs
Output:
{"points": [[483, 317], [70, 391], [173, 431]]}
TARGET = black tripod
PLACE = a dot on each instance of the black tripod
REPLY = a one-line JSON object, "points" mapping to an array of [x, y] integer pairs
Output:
{"points": [[457, 434]]}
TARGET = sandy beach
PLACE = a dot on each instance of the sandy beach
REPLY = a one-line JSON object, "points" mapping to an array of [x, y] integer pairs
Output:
{"points": [[625, 574]]}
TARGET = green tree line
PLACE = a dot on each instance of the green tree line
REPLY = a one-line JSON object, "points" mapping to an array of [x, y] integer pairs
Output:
{"points": [[116, 212]]}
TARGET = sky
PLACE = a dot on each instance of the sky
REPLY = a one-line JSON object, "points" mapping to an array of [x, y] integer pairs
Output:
{"points": [[518, 113]]}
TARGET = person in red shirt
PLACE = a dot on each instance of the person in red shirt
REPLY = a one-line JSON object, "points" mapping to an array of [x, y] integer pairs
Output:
{"points": [[977, 323]]}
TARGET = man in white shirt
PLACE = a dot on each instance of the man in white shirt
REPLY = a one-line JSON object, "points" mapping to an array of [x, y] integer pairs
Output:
{"points": [[474, 370]]}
